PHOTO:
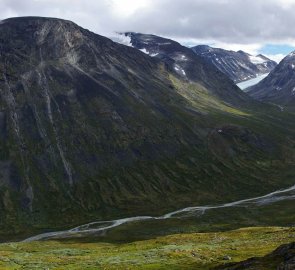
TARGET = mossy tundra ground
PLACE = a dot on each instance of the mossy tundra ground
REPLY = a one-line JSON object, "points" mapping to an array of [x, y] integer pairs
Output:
{"points": [[178, 251]]}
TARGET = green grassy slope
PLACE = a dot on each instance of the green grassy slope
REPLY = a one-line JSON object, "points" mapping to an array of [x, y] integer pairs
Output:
{"points": [[180, 251]]}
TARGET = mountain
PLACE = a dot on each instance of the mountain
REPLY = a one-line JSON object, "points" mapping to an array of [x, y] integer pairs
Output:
{"points": [[91, 129], [279, 86], [186, 64], [239, 66]]}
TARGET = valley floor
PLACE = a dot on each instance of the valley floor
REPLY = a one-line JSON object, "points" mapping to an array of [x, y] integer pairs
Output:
{"points": [[178, 251]]}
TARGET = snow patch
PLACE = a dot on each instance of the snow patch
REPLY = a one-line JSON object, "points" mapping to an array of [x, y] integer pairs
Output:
{"points": [[183, 57], [179, 70], [144, 51], [154, 54], [256, 59]]}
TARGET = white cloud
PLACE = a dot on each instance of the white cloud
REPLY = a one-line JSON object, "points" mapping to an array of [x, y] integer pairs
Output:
{"points": [[249, 48], [231, 24], [287, 3], [126, 8], [253, 49]]}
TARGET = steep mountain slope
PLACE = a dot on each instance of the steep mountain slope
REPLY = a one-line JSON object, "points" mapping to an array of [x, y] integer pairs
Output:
{"points": [[279, 86], [187, 65], [239, 66], [93, 129]]}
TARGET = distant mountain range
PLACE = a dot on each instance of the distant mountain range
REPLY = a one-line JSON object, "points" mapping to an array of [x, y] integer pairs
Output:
{"points": [[279, 86], [186, 64], [239, 66]]}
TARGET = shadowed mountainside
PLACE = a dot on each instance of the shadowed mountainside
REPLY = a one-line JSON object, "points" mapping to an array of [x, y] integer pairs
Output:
{"points": [[91, 129]]}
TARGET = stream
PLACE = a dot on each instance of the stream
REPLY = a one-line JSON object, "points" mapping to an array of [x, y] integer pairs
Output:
{"points": [[104, 226]]}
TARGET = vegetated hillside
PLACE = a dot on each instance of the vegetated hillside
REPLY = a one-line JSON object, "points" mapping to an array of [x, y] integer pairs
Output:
{"points": [[239, 66], [279, 86], [92, 129]]}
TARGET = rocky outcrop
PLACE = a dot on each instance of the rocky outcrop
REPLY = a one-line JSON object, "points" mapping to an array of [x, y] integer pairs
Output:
{"points": [[283, 258]]}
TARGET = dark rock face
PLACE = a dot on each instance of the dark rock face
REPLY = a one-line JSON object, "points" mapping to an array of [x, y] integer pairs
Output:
{"points": [[239, 66], [287, 252], [283, 258], [93, 129], [78, 112], [279, 86], [187, 65]]}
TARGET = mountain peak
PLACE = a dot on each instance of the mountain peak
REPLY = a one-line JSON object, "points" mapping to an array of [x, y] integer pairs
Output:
{"points": [[292, 54], [35, 20], [242, 52], [262, 56]]}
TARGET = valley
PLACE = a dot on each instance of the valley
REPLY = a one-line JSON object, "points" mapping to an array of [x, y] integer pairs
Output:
{"points": [[105, 227], [145, 156]]}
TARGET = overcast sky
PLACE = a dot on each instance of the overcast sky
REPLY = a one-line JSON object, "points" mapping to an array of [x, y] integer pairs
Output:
{"points": [[256, 26]]}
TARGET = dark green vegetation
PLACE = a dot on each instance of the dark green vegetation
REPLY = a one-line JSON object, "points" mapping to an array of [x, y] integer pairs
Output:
{"points": [[181, 251], [91, 129]]}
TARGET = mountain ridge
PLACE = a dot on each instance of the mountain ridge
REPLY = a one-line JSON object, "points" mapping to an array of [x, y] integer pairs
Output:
{"points": [[239, 66], [91, 129], [186, 64]]}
